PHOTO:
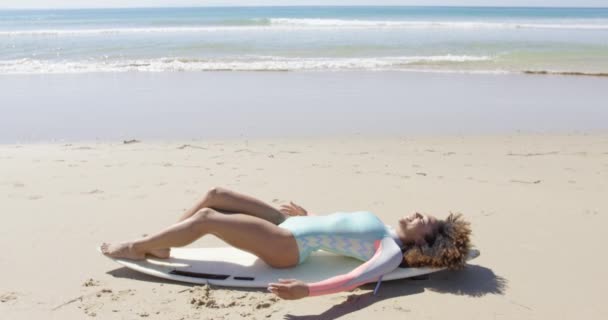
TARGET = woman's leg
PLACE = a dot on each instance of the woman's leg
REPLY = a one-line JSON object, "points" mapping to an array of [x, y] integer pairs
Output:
{"points": [[276, 246], [226, 200]]}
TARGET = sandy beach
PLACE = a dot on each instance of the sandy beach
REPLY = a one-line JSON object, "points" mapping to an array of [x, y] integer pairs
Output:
{"points": [[115, 121], [536, 202]]}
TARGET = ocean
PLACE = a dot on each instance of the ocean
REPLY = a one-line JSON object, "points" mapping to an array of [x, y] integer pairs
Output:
{"points": [[429, 39]]}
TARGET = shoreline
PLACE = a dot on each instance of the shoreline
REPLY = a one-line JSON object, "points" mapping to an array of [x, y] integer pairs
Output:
{"points": [[565, 73], [313, 71]]}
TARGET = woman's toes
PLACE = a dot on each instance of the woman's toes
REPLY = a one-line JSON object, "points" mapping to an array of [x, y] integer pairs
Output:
{"points": [[122, 250]]}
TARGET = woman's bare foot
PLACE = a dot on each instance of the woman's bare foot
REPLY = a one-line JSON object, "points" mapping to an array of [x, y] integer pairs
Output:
{"points": [[160, 253], [122, 250]]}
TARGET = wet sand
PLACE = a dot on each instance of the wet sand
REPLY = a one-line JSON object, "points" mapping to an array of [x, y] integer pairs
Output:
{"points": [[182, 106]]}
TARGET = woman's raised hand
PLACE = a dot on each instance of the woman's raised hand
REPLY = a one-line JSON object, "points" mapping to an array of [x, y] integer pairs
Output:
{"points": [[293, 209], [289, 289]]}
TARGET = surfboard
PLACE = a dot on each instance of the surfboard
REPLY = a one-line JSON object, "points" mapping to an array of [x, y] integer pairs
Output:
{"points": [[231, 267]]}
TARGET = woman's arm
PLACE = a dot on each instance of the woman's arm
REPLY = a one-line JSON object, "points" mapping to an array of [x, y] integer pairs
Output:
{"points": [[293, 210], [387, 258]]}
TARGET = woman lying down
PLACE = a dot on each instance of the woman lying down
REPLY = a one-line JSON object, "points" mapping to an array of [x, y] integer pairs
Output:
{"points": [[285, 237]]}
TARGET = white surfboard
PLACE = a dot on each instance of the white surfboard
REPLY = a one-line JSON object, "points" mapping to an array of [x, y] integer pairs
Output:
{"points": [[232, 267]]}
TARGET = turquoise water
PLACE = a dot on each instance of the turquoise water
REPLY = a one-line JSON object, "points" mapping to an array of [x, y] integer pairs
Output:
{"points": [[439, 39]]}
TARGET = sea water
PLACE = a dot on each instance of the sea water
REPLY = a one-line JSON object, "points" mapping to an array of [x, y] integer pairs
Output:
{"points": [[437, 39]]}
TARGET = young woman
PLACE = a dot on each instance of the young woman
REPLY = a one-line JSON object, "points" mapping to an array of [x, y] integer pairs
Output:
{"points": [[285, 237]]}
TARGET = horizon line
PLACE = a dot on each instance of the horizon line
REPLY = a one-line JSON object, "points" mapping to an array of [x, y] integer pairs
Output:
{"points": [[303, 6]]}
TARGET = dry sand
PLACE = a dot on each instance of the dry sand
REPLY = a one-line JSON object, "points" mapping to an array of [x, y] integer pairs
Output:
{"points": [[537, 204]]}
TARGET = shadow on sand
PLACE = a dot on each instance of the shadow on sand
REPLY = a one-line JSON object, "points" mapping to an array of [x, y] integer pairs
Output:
{"points": [[473, 281], [127, 273]]}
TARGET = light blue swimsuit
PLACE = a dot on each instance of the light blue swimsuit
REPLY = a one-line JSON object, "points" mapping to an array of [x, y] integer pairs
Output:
{"points": [[350, 234], [360, 235]]}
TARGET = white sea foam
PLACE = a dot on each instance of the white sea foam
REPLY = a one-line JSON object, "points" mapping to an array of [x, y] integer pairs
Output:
{"points": [[434, 24], [33, 66], [126, 30], [289, 24]]}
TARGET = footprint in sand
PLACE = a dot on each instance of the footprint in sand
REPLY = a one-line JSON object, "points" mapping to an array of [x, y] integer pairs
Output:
{"points": [[184, 146], [487, 213], [401, 309], [94, 191], [204, 297], [526, 182], [92, 304], [589, 212], [91, 283], [8, 297]]}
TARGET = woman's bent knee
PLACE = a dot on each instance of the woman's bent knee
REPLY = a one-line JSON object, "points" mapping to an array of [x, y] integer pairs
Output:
{"points": [[214, 193], [201, 217]]}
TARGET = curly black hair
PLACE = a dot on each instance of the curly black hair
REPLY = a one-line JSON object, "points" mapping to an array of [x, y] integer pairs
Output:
{"points": [[448, 247]]}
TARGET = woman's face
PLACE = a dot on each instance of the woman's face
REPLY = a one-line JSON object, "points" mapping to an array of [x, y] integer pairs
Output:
{"points": [[417, 226]]}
